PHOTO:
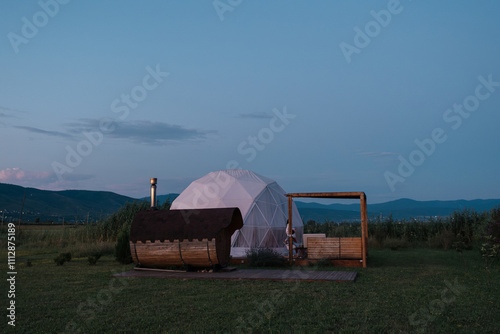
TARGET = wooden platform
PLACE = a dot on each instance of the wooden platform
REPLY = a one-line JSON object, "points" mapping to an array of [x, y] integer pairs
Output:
{"points": [[307, 262], [249, 274]]}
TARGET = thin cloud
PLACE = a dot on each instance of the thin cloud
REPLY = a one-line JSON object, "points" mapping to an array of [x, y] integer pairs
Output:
{"points": [[2, 114], [155, 132], [42, 179], [18, 175], [9, 112], [141, 132], [12, 110], [45, 132], [257, 115], [84, 124], [377, 154]]}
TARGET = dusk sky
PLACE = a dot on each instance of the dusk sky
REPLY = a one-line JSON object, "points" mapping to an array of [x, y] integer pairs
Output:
{"points": [[399, 99]]}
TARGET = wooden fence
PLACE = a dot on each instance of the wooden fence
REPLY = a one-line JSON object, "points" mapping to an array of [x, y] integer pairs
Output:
{"points": [[334, 248]]}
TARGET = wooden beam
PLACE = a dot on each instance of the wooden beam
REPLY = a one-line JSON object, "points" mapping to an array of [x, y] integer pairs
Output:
{"points": [[290, 238], [364, 229], [348, 195]]}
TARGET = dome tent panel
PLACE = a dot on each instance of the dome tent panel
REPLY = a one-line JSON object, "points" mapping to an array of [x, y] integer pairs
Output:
{"points": [[238, 240], [269, 239], [255, 218], [219, 190], [276, 192], [267, 205]]}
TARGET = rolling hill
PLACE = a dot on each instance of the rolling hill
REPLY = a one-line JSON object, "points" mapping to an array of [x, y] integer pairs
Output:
{"points": [[58, 205], [81, 205]]}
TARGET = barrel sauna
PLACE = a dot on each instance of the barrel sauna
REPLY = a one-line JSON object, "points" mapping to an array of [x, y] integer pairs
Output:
{"points": [[192, 238]]}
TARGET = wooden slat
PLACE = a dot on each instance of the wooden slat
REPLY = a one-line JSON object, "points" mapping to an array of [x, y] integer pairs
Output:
{"points": [[356, 241], [307, 236], [351, 248], [334, 248], [323, 248], [132, 251], [195, 253], [157, 254], [163, 254], [212, 252]]}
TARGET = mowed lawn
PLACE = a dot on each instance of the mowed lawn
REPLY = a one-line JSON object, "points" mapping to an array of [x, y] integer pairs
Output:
{"points": [[411, 290]]}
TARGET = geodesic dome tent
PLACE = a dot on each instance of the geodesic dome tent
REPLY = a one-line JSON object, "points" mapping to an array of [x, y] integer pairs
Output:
{"points": [[262, 203]]}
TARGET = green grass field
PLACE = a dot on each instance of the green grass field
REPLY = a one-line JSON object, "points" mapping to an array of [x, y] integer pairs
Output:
{"points": [[411, 290]]}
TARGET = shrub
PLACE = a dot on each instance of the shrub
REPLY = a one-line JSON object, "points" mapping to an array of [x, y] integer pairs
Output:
{"points": [[94, 258], [490, 250], [88, 248], [59, 260], [443, 239], [373, 243], [493, 230], [491, 245], [122, 247], [380, 236], [67, 256], [395, 244], [265, 257], [122, 219]]}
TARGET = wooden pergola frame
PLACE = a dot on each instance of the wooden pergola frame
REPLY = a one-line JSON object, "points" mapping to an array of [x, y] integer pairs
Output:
{"points": [[344, 195]]}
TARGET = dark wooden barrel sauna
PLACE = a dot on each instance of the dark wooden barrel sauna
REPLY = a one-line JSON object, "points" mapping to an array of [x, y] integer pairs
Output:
{"points": [[194, 238]]}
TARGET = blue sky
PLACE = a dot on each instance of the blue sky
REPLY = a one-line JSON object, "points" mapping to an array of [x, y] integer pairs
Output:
{"points": [[394, 98]]}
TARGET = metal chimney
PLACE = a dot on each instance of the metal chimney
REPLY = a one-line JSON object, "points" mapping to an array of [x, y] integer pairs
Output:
{"points": [[153, 193]]}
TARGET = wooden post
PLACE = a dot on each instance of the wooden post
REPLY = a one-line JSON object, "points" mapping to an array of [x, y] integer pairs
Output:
{"points": [[290, 238], [364, 228]]}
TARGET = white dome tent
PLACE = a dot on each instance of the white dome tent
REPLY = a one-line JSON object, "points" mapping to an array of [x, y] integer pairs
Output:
{"points": [[262, 203]]}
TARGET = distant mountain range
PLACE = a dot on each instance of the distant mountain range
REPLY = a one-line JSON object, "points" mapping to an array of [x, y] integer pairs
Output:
{"points": [[400, 209], [84, 205], [67, 205], [162, 198]]}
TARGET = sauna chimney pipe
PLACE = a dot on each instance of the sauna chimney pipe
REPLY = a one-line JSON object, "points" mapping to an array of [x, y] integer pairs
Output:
{"points": [[153, 193]]}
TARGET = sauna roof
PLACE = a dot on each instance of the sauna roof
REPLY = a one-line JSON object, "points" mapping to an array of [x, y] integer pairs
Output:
{"points": [[184, 224]]}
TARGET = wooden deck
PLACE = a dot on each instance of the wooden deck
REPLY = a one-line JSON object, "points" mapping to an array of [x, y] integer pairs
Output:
{"points": [[249, 274]]}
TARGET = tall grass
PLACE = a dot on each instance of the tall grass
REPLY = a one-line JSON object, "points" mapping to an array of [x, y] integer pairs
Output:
{"points": [[80, 240], [465, 226], [53, 239]]}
